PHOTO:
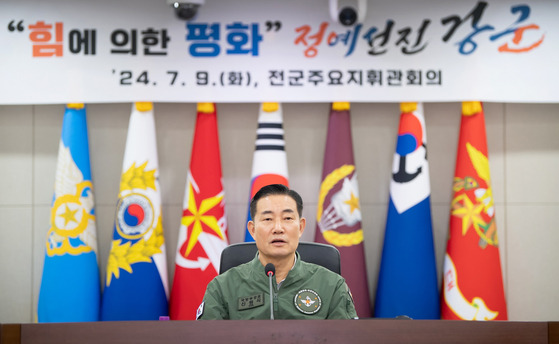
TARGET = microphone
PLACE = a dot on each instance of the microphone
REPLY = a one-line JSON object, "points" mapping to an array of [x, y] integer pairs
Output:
{"points": [[270, 272]]}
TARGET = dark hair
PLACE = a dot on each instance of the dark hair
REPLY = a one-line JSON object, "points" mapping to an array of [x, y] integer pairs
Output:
{"points": [[276, 189]]}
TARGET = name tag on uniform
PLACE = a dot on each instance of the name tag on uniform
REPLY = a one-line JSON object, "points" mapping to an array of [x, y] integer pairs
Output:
{"points": [[248, 302]]}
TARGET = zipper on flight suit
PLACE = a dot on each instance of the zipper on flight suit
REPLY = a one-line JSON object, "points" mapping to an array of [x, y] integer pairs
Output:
{"points": [[276, 304]]}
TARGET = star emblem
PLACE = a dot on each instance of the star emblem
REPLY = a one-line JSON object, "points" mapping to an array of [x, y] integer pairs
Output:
{"points": [[470, 212], [308, 302], [197, 220], [353, 203], [69, 215]]}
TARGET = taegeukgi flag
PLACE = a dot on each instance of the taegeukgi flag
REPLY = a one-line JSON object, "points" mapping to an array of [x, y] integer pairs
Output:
{"points": [[269, 164]]}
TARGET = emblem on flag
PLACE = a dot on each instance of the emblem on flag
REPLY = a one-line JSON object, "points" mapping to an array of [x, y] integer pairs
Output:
{"points": [[343, 209], [472, 277], [70, 284], [407, 283], [474, 310], [338, 214], [200, 221], [473, 203], [134, 216], [203, 228], [134, 221], [136, 265], [72, 217], [410, 178]]}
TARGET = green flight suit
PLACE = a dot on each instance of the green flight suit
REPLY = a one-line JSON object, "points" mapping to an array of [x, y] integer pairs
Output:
{"points": [[309, 291]]}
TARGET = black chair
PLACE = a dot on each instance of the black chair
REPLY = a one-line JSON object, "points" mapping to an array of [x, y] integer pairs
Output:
{"points": [[321, 254]]}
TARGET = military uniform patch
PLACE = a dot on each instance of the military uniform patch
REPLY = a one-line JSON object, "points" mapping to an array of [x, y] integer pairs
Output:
{"points": [[307, 301], [247, 302], [349, 292], [200, 310]]}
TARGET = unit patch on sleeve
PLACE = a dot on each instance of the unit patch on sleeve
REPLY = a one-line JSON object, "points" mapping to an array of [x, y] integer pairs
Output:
{"points": [[248, 302], [307, 301], [200, 311]]}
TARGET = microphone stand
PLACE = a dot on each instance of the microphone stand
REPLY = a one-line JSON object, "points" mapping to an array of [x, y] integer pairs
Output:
{"points": [[270, 271]]}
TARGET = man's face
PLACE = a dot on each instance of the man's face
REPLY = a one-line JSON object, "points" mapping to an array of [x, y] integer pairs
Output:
{"points": [[276, 227]]}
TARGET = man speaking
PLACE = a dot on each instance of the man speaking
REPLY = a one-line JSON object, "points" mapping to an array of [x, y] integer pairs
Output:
{"points": [[299, 290]]}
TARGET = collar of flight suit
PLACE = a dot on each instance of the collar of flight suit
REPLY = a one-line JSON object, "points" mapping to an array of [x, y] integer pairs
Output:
{"points": [[258, 271]]}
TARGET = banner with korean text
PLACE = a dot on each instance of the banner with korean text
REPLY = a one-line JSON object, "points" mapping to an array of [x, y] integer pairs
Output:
{"points": [[283, 51]]}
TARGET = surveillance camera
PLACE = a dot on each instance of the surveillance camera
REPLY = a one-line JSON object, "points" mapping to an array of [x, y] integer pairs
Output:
{"points": [[186, 9], [347, 16], [348, 12]]}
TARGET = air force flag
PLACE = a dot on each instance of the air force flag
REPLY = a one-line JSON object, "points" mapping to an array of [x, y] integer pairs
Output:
{"points": [[70, 287]]}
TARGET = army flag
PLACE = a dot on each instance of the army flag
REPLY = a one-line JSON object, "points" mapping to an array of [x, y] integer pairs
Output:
{"points": [[203, 230], [407, 283], [70, 286], [136, 280], [338, 211], [269, 163], [472, 277]]}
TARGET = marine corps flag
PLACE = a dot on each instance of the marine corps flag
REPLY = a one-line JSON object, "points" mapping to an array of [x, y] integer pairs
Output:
{"points": [[472, 278], [71, 287], [339, 213], [203, 230], [407, 283], [136, 281], [269, 164]]}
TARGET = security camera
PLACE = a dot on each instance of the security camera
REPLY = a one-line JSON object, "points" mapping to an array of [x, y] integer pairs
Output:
{"points": [[348, 12], [186, 9]]}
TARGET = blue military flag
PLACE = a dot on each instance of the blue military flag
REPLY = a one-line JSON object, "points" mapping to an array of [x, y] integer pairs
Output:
{"points": [[136, 281], [407, 283], [70, 286]]}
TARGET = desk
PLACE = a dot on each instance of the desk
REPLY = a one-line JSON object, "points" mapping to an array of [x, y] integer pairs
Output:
{"points": [[283, 332]]}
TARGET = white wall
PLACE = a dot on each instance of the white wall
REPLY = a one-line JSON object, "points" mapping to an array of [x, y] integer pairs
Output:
{"points": [[523, 144]]}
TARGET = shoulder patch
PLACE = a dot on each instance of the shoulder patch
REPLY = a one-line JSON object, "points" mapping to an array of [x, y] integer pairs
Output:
{"points": [[349, 293], [200, 310]]}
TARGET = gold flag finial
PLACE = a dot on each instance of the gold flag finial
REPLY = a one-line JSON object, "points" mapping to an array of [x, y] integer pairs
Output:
{"points": [[270, 107], [408, 107], [206, 107], [340, 106], [144, 106], [471, 108], [77, 106]]}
